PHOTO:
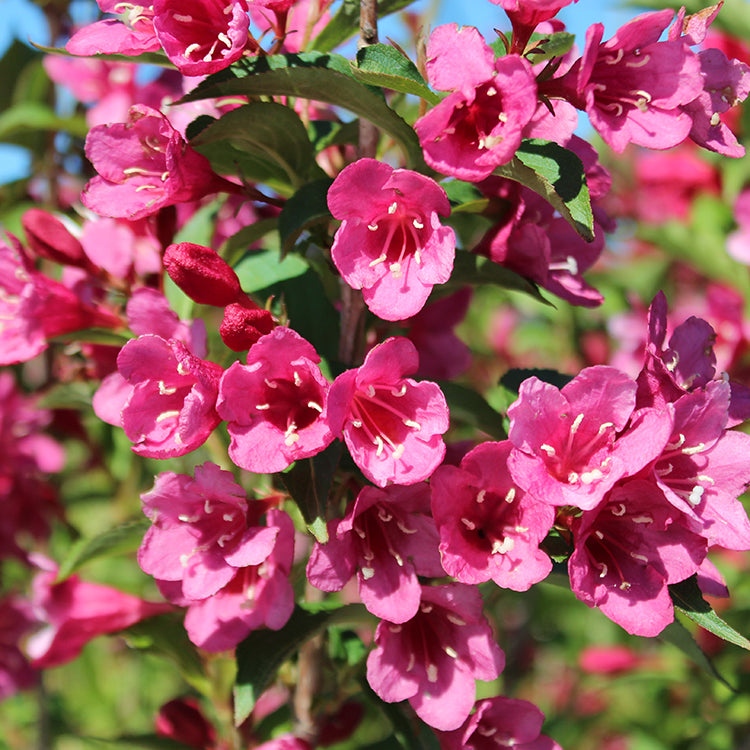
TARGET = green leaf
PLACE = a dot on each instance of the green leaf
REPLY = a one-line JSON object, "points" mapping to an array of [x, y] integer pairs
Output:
{"points": [[312, 75], [346, 22], [309, 482], [124, 742], [261, 654], [165, 635], [471, 408], [26, 116], [556, 45], [16, 58], [469, 268], [92, 336], [120, 540], [383, 65], [307, 207], [678, 635], [146, 58], [687, 597], [200, 227], [235, 247], [263, 142], [513, 378], [557, 175], [259, 269]]}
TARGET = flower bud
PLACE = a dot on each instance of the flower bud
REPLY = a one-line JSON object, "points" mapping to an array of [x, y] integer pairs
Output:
{"points": [[49, 238], [202, 274], [243, 325]]}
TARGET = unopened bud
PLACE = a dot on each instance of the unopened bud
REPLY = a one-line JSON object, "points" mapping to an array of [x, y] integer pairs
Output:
{"points": [[202, 274], [49, 238], [244, 325]]}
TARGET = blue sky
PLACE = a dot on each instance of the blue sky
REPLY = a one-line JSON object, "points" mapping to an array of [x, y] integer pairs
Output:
{"points": [[24, 20]]}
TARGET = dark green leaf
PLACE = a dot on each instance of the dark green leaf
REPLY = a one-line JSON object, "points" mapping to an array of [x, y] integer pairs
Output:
{"points": [[346, 22], [326, 133], [469, 407], [259, 269], [513, 378], [312, 75], [308, 206], [687, 597], [557, 175], [93, 336], [165, 635], [678, 635], [263, 142], [309, 482], [478, 270], [310, 312], [120, 540], [261, 654], [383, 65]]}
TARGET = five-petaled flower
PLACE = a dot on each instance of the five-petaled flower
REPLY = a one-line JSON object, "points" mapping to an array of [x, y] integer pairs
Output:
{"points": [[391, 243]]}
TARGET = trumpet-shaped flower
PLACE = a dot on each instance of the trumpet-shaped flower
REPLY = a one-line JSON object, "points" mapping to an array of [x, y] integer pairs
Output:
{"points": [[391, 243], [276, 404], [433, 659], [392, 425], [479, 125]]}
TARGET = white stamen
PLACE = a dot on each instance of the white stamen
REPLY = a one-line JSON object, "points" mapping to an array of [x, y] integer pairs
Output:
{"points": [[167, 415]]}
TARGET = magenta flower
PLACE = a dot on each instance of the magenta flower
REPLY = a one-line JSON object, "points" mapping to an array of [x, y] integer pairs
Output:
{"points": [[388, 537], [35, 308], [626, 553], [259, 595], [144, 165], [479, 125], [392, 425], [130, 36], [172, 407], [201, 37], [203, 530], [391, 243], [572, 445], [489, 528], [704, 468], [276, 405], [500, 723], [633, 87], [433, 659], [76, 611]]}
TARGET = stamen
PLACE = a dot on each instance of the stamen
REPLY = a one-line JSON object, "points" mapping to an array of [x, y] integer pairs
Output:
{"points": [[576, 424], [165, 390], [480, 496], [263, 407], [620, 511], [511, 496], [313, 405], [417, 224], [191, 48], [470, 525], [614, 60], [640, 60], [367, 573], [167, 415], [183, 18], [548, 449], [392, 208]]}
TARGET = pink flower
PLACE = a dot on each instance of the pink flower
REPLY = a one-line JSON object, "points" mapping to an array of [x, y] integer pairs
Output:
{"points": [[388, 537], [392, 425], [203, 530], [572, 445], [738, 241], [122, 248], [633, 86], [479, 125], [201, 37], [433, 659], [704, 468], [130, 36], [76, 611], [628, 551], [276, 405], [258, 595], [202, 274], [171, 409], [489, 528], [144, 165], [183, 721], [391, 243], [498, 723], [35, 308]]}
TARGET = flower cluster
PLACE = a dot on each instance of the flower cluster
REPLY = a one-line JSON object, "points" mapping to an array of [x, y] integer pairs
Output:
{"points": [[303, 386]]}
